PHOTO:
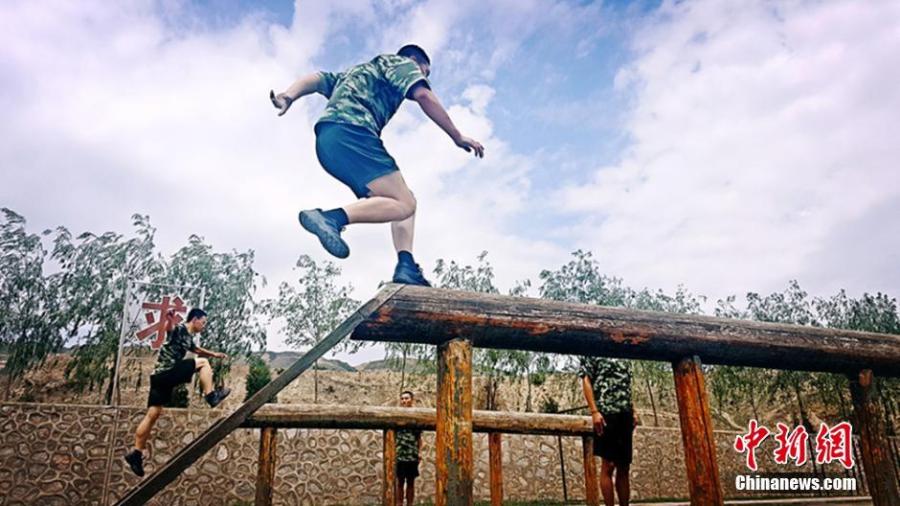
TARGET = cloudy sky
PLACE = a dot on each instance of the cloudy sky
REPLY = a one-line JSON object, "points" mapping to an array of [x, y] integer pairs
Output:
{"points": [[724, 146]]}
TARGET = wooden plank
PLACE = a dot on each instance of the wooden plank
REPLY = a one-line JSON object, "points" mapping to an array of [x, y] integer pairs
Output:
{"points": [[495, 462], [219, 430], [453, 426], [591, 485], [343, 416], [389, 485], [881, 474], [265, 475], [431, 316], [697, 433]]}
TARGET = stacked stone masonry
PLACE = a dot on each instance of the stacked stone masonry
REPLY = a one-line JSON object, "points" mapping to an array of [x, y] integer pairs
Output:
{"points": [[61, 455]]}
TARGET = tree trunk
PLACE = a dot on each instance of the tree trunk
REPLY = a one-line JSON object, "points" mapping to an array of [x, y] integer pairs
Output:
{"points": [[528, 407], [652, 402], [842, 403], [8, 387], [753, 405], [112, 372], [403, 370], [316, 382], [803, 418]]}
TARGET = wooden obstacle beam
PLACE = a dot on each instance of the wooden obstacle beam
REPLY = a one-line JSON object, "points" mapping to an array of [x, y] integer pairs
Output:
{"points": [[433, 316], [219, 430], [342, 416]]}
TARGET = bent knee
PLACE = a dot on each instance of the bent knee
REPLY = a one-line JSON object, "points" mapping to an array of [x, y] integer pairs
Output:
{"points": [[409, 204], [201, 363]]}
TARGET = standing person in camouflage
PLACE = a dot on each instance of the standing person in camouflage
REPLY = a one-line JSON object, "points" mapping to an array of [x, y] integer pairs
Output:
{"points": [[171, 370], [608, 382], [361, 100], [409, 444]]}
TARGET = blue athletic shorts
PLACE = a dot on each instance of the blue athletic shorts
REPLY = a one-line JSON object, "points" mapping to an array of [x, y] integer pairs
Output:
{"points": [[352, 155]]}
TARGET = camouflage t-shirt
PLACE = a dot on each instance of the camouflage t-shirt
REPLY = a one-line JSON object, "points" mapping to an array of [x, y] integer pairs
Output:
{"points": [[408, 445], [369, 94], [611, 379], [178, 342]]}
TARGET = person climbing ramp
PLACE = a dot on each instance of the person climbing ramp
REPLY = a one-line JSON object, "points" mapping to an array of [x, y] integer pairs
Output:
{"points": [[171, 370], [361, 100]]}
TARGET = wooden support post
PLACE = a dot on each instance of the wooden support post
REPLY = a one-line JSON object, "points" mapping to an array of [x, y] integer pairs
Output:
{"points": [[495, 453], [591, 486], [265, 475], [453, 426], [697, 433], [881, 475], [389, 487]]}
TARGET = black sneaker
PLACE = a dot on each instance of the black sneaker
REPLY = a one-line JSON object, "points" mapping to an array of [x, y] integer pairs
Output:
{"points": [[328, 232], [135, 460], [216, 397], [409, 274]]}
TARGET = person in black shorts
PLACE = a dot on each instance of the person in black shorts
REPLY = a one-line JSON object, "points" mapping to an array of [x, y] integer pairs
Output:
{"points": [[171, 370], [608, 381], [409, 444]]}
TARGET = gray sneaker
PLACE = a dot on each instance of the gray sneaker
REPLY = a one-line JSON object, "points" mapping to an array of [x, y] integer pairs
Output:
{"points": [[328, 232]]}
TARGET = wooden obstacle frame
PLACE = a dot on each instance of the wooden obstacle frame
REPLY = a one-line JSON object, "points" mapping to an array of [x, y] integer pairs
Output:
{"points": [[457, 321]]}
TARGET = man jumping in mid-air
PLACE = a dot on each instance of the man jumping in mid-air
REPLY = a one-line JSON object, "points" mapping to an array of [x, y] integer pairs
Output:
{"points": [[361, 100]]}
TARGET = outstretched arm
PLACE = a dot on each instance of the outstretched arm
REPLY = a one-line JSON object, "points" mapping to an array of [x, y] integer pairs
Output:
{"points": [[306, 85], [203, 352], [432, 108]]}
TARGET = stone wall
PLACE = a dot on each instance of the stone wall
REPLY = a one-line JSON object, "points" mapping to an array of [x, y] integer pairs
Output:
{"points": [[60, 454]]}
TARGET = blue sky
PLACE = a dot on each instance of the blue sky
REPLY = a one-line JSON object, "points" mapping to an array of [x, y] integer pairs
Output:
{"points": [[722, 146]]}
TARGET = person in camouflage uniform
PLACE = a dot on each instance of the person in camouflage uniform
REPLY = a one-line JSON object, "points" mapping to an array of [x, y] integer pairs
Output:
{"points": [[409, 444], [171, 370], [361, 100], [606, 383]]}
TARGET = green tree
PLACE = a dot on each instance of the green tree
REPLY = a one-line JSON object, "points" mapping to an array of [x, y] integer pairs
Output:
{"points": [[258, 376], [29, 318], [870, 313], [230, 281], [313, 307], [737, 384], [93, 272], [794, 306], [581, 280]]}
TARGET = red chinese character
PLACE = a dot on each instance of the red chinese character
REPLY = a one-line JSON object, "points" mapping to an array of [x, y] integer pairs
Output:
{"points": [[170, 317], [755, 436], [835, 444], [791, 446]]}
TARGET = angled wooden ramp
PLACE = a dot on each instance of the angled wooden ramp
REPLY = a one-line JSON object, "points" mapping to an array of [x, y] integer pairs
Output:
{"points": [[219, 430]]}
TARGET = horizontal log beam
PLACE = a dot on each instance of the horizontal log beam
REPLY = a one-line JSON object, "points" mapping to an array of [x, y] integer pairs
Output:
{"points": [[432, 316], [324, 416]]}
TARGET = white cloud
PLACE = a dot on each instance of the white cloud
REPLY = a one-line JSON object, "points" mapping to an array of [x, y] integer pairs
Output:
{"points": [[760, 132], [110, 109]]}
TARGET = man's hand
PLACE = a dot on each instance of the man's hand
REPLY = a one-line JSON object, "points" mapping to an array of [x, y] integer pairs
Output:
{"points": [[281, 102], [471, 144], [599, 423], [220, 355], [636, 419]]}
